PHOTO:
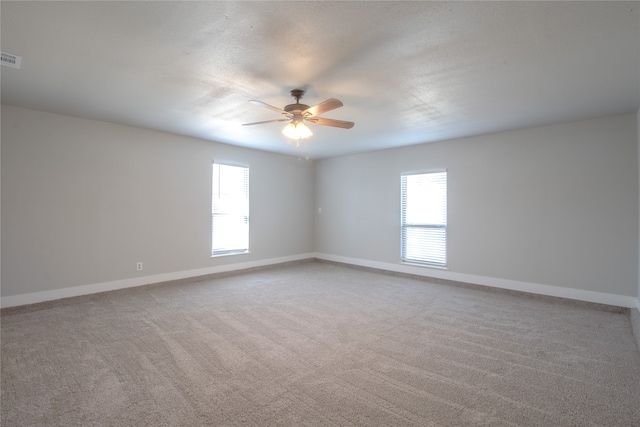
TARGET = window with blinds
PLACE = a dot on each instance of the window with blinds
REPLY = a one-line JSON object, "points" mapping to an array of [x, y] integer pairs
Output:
{"points": [[229, 210], [424, 218]]}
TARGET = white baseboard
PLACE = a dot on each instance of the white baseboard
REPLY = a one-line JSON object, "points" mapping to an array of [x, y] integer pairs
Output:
{"points": [[36, 297], [534, 288]]}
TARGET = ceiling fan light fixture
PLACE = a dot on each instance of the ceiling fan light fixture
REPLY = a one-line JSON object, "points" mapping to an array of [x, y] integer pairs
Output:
{"points": [[297, 130], [303, 130], [298, 113]]}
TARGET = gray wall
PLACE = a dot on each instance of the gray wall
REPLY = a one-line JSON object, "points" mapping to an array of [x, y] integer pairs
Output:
{"points": [[83, 201], [555, 205]]}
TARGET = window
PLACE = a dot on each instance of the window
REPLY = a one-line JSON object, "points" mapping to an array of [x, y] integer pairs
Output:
{"points": [[229, 210], [424, 218]]}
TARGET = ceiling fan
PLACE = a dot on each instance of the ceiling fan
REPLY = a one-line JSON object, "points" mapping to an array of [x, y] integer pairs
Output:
{"points": [[298, 113]]}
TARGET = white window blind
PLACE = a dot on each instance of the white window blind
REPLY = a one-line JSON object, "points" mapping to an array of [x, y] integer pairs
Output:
{"points": [[229, 210], [424, 218]]}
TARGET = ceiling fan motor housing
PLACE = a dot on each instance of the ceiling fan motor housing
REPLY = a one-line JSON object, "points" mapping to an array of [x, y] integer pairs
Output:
{"points": [[294, 108]]}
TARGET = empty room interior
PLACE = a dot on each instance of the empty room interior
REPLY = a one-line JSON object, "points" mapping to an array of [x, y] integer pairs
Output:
{"points": [[320, 213]]}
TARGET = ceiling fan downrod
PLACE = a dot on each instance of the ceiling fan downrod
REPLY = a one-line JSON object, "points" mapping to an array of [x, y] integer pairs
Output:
{"points": [[297, 94]]}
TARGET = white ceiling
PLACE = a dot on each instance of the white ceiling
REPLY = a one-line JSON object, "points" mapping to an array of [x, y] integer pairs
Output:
{"points": [[407, 72]]}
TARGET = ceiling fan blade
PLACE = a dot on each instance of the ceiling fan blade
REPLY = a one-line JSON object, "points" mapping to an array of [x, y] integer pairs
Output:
{"points": [[266, 121], [323, 107], [331, 122], [271, 107]]}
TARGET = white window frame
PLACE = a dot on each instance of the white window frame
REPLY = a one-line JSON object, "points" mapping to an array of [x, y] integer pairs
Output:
{"points": [[229, 209], [424, 227]]}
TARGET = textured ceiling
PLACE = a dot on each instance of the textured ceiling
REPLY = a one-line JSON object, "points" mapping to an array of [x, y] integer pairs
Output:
{"points": [[407, 72]]}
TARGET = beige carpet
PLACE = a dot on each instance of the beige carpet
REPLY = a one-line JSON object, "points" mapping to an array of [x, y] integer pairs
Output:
{"points": [[318, 344]]}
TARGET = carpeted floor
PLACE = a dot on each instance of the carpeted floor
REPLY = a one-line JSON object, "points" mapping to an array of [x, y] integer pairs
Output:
{"points": [[318, 344]]}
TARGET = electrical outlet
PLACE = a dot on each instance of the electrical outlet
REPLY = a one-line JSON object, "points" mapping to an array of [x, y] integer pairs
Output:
{"points": [[139, 266]]}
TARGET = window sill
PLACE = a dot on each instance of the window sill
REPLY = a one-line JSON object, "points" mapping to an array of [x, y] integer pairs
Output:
{"points": [[228, 254], [417, 264]]}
